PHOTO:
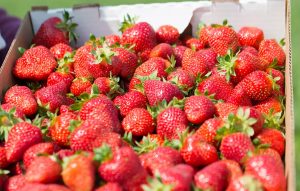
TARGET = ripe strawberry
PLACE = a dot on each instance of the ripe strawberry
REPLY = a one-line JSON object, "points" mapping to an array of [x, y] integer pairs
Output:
{"points": [[43, 169], [22, 136], [155, 138], [279, 79], [271, 103], [55, 30], [171, 122], [156, 64], [35, 64], [111, 40], [196, 64], [216, 86], [60, 128], [61, 154], [198, 109], [209, 56], [212, 177], [43, 187], [195, 44], [106, 85], [79, 85], [139, 122], [234, 169], [183, 79], [274, 138], [167, 34], [144, 55], [111, 139], [239, 97], [258, 85], [197, 152], [186, 57], [129, 62], [224, 109], [3, 161], [15, 183], [250, 36], [34, 151], [59, 50], [208, 130], [204, 33], [270, 50], [244, 183], [236, 146], [178, 53], [273, 177], [22, 98], [79, 172], [157, 91], [162, 50], [250, 50], [110, 186]]}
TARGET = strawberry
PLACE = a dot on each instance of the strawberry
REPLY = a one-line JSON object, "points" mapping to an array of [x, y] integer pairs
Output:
{"points": [[273, 177], [195, 64], [204, 33], [197, 152], [110, 186], [272, 103], [22, 98], [224, 109], [22, 136], [195, 44], [43, 187], [3, 161], [59, 50], [212, 177], [183, 79], [139, 122], [113, 140], [250, 36], [208, 130], [198, 109], [35, 64], [55, 30], [170, 122], [270, 51], [7, 108], [15, 183], [79, 172], [79, 85], [156, 64], [245, 183], [258, 85], [129, 62], [229, 147], [60, 128], [167, 34], [61, 154], [111, 40], [16, 169], [43, 169], [34, 151], [278, 76], [60, 76], [209, 56], [250, 50], [144, 55], [234, 168], [274, 138], [162, 50], [239, 97], [107, 85], [178, 53]]}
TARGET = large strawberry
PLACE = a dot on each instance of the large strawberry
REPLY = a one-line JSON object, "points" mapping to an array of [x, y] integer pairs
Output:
{"points": [[129, 62], [271, 51], [224, 109], [195, 64], [239, 97], [209, 56], [35, 64], [55, 30], [167, 34], [162, 50], [250, 36], [79, 86]]}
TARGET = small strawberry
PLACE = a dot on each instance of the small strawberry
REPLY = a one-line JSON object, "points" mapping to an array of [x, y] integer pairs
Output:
{"points": [[209, 56], [271, 103], [22, 98], [60, 76], [129, 62], [195, 44], [270, 51], [183, 79], [35, 64], [110, 186], [167, 34], [79, 85], [59, 50], [178, 53], [107, 85], [196, 65], [158, 65], [224, 109], [212, 177], [15, 183], [112, 40], [162, 50], [250, 36], [22, 136], [245, 183]]}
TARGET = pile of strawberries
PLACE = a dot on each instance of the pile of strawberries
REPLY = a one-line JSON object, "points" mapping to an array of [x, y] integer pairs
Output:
{"points": [[146, 110]]}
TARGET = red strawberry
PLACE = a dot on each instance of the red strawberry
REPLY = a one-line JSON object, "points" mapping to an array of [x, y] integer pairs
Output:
{"points": [[43, 187], [22, 98], [7, 107], [15, 183], [212, 177], [144, 55], [61, 154], [139, 122], [239, 97], [250, 36], [178, 53], [3, 161], [110, 186], [156, 64], [60, 128], [224, 109], [157, 91], [107, 86], [43, 169], [278, 76], [79, 85], [186, 57], [183, 79], [159, 140], [167, 34], [195, 65], [55, 30], [209, 56], [198, 109], [20, 138], [271, 103], [171, 122], [274, 138], [270, 50], [112, 40], [258, 85], [34, 151], [244, 183], [35, 64], [129, 62], [59, 50], [208, 130], [268, 170], [257, 115], [162, 50], [234, 168], [236, 146], [79, 172], [250, 50], [204, 33], [195, 44], [60, 76], [197, 152], [113, 140]]}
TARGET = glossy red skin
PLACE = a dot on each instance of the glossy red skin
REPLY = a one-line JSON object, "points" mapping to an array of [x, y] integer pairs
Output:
{"points": [[153, 64], [43, 187], [224, 109], [103, 84], [64, 153], [186, 81], [140, 34], [33, 152], [274, 138], [209, 56], [270, 103], [195, 44], [22, 136], [113, 140], [197, 152], [204, 34], [170, 122], [269, 50], [110, 186], [57, 77], [35, 64], [162, 50], [178, 53], [196, 65], [268, 170], [3, 161], [15, 183], [250, 50], [18, 112], [250, 36], [22, 98], [167, 34], [129, 62], [230, 150], [213, 176], [131, 100], [240, 184], [208, 130], [79, 86], [234, 169], [112, 40], [198, 109], [239, 97], [59, 50]]}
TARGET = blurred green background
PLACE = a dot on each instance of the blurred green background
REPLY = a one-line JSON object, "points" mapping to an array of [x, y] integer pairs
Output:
{"points": [[20, 7]]}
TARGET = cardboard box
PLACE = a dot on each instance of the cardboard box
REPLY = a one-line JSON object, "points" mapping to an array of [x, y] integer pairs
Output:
{"points": [[273, 16]]}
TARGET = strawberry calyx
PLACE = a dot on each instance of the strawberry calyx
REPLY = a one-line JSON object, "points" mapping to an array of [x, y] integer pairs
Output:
{"points": [[127, 137], [68, 27], [33, 86], [114, 86], [102, 154], [140, 86], [146, 145], [274, 65], [102, 54], [7, 121], [251, 183], [226, 64], [171, 68], [156, 184], [178, 143], [274, 120], [74, 124], [64, 63], [224, 24], [275, 86], [127, 22]]}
